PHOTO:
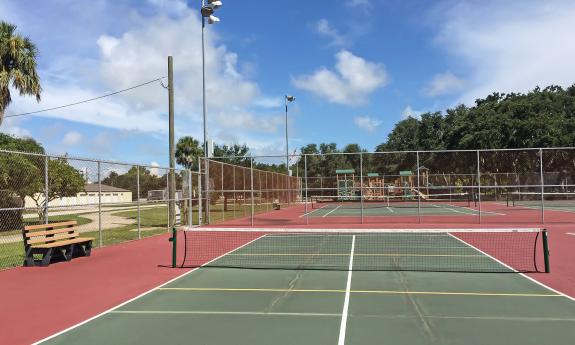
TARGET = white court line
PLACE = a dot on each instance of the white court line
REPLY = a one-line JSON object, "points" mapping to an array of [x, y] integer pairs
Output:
{"points": [[210, 312], [344, 313], [325, 215], [570, 233], [514, 270], [307, 214], [140, 295], [390, 209], [454, 210]]}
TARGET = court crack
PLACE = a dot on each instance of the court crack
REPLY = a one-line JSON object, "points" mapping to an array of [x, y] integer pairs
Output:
{"points": [[291, 285], [424, 322]]}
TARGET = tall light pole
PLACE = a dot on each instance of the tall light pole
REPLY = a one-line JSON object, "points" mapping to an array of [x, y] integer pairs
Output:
{"points": [[207, 11], [288, 99]]}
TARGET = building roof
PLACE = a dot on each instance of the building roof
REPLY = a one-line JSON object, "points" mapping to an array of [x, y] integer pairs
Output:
{"points": [[94, 187]]}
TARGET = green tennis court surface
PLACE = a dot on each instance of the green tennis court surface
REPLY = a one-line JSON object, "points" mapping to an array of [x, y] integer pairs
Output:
{"points": [[299, 289]]}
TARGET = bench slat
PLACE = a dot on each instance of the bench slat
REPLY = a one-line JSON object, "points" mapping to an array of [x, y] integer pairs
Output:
{"points": [[48, 232], [64, 243], [63, 237], [49, 226]]}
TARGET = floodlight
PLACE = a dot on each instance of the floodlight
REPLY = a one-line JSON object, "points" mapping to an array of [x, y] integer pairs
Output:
{"points": [[213, 19], [207, 11], [290, 98], [215, 3]]}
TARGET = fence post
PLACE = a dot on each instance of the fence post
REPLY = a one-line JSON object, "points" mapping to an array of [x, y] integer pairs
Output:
{"points": [[542, 186], [418, 190], [222, 166], [200, 200], [100, 204], [478, 187], [252, 188], [46, 189], [361, 183], [235, 194], [138, 199], [305, 181], [168, 228], [191, 197]]}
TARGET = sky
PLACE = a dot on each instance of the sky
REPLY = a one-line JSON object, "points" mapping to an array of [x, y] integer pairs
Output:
{"points": [[356, 68]]}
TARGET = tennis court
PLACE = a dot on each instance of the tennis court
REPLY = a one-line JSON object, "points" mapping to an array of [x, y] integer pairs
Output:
{"points": [[345, 287]]}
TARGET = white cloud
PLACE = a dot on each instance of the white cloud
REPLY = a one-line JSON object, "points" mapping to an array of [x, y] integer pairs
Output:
{"points": [[72, 138], [366, 4], [509, 46], [268, 102], [155, 169], [409, 112], [367, 123], [444, 84], [12, 127], [241, 119], [353, 80], [324, 28]]}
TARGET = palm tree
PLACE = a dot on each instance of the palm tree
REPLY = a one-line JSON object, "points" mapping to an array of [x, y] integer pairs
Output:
{"points": [[188, 150], [17, 66]]}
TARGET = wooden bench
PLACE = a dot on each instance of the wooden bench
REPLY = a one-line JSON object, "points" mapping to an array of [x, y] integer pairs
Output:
{"points": [[56, 241]]}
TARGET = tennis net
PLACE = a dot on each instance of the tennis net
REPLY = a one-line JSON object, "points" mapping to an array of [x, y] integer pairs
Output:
{"points": [[440, 250], [409, 201], [533, 199]]}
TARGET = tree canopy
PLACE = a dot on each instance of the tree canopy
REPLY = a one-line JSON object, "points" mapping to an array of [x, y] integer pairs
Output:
{"points": [[17, 66]]}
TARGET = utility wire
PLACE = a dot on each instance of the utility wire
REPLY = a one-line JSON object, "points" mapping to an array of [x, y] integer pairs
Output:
{"points": [[87, 100]]}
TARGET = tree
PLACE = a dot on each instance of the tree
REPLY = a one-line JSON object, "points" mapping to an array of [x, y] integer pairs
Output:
{"points": [[63, 181], [23, 175], [17, 66], [188, 151]]}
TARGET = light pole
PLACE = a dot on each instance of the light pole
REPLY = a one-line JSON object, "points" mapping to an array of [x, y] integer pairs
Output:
{"points": [[207, 11], [288, 99]]}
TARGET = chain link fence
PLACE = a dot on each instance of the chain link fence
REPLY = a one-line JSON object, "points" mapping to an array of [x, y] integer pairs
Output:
{"points": [[112, 202], [470, 186], [116, 202]]}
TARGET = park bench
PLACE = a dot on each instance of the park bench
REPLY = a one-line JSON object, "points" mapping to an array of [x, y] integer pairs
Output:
{"points": [[55, 242]]}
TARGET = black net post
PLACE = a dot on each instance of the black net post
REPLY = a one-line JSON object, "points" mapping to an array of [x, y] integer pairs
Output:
{"points": [[546, 251]]}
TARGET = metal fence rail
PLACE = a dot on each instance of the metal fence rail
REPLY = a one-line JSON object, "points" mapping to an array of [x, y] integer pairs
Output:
{"points": [[111, 201], [518, 183]]}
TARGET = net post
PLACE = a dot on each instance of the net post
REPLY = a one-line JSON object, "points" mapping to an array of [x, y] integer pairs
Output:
{"points": [[546, 250], [174, 240], [305, 181], [252, 189], [418, 190], [361, 183], [542, 186], [478, 188]]}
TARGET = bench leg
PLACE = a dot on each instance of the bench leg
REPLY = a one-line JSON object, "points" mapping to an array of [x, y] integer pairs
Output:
{"points": [[29, 260], [88, 248], [47, 257], [69, 253]]}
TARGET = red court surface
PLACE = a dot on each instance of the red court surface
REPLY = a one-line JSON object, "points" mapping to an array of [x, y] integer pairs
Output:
{"points": [[38, 302]]}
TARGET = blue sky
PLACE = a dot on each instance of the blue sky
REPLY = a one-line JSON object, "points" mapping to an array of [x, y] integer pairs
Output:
{"points": [[357, 67]]}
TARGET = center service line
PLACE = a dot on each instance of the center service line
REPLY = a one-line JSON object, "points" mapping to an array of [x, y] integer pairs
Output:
{"points": [[344, 313]]}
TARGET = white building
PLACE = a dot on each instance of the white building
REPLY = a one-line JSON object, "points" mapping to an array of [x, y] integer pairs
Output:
{"points": [[90, 196]]}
